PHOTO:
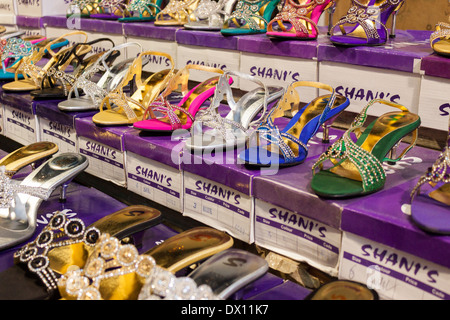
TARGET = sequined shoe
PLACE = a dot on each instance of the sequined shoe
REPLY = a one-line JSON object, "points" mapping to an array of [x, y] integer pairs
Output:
{"points": [[210, 15], [176, 13], [89, 89], [141, 10], [118, 272], [369, 19], [65, 243], [20, 202], [440, 39], [211, 131], [430, 198], [357, 166], [33, 154]]}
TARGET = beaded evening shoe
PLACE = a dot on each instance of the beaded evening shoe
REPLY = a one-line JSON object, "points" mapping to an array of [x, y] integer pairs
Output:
{"points": [[141, 10], [117, 272], [89, 89], [182, 114], [430, 198], [33, 154], [212, 131], [210, 15], [118, 109], [440, 39], [357, 166], [66, 242], [110, 9], [176, 12], [249, 17], [57, 84], [33, 73], [298, 19], [369, 18], [21, 201], [272, 145], [82, 8]]}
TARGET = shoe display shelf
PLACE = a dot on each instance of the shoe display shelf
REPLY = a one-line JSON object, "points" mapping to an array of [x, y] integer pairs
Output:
{"points": [[370, 239]]}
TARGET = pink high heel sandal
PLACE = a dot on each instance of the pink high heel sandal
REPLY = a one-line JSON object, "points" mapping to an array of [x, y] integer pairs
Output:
{"points": [[298, 19], [181, 115]]}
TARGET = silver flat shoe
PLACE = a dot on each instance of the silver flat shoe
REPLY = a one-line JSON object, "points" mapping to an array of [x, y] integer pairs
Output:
{"points": [[233, 129], [86, 93], [19, 203]]}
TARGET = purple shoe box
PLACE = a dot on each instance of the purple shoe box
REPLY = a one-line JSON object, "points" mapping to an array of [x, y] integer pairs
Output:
{"points": [[20, 122], [400, 53], [104, 148], [210, 39], [58, 126], [436, 66], [92, 25], [257, 287], [153, 167], [30, 22], [149, 30]]}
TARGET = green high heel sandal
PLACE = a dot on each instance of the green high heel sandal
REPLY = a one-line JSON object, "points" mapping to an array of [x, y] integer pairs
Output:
{"points": [[249, 17], [357, 168]]}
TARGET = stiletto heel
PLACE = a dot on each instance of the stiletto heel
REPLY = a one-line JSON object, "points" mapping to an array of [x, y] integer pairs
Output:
{"points": [[270, 145], [369, 18], [392, 35], [299, 19], [357, 166], [65, 243], [331, 11], [326, 128]]}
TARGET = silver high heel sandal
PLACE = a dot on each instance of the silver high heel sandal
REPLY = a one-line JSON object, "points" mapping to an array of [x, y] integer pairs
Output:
{"points": [[19, 203], [210, 15], [232, 130], [87, 93]]}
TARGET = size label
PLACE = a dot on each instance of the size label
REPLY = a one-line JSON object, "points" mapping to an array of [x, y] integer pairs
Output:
{"points": [[297, 236], [64, 136], [218, 206], [392, 273], [155, 181], [104, 162], [20, 125]]}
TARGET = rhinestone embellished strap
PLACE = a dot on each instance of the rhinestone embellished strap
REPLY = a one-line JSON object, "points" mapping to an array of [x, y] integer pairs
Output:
{"points": [[210, 10], [60, 231], [369, 167], [143, 6], [211, 118], [367, 17], [8, 189], [111, 259], [89, 88], [161, 104], [112, 6], [177, 8], [248, 11], [442, 32], [294, 13], [16, 48]]}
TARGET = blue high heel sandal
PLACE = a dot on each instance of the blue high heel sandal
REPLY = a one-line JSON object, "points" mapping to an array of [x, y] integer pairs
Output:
{"points": [[288, 146]]}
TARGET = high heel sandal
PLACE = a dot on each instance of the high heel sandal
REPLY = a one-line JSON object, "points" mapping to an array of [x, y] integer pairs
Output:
{"points": [[233, 129], [298, 20], [249, 17], [31, 154], [182, 115], [210, 15], [440, 39], [176, 13], [370, 18], [56, 83], [215, 279], [118, 272], [288, 146], [82, 8], [21, 202], [141, 10], [357, 166], [64, 243], [117, 109], [87, 93], [110, 9], [430, 198], [32, 73]]}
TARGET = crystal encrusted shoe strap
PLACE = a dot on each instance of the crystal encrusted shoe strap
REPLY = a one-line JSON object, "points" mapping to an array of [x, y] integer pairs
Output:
{"points": [[249, 12], [112, 259], [142, 6], [369, 167], [60, 231], [16, 48], [442, 32], [8, 189]]}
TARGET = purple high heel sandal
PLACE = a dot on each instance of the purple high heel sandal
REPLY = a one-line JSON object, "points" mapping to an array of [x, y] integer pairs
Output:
{"points": [[369, 18]]}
